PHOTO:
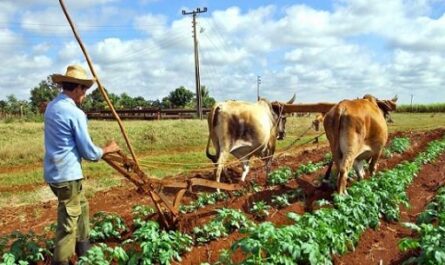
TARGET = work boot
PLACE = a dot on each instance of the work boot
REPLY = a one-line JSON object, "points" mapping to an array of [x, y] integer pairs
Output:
{"points": [[82, 247]]}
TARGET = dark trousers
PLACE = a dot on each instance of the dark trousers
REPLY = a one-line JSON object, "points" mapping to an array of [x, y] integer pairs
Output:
{"points": [[72, 218]]}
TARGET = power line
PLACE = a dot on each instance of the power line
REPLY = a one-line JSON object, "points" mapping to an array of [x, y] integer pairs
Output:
{"points": [[21, 24]]}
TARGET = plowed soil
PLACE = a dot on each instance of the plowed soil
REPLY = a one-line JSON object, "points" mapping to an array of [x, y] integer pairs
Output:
{"points": [[375, 247]]}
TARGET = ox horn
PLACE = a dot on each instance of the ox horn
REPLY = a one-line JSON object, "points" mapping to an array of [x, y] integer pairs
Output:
{"points": [[292, 99], [395, 98]]}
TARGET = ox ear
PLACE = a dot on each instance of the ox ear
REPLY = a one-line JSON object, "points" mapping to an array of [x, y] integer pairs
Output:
{"points": [[395, 98], [292, 99], [277, 109]]}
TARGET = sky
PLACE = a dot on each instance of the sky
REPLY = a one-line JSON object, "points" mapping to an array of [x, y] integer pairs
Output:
{"points": [[323, 51]]}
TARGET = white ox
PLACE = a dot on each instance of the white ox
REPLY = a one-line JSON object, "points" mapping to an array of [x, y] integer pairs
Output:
{"points": [[244, 130]]}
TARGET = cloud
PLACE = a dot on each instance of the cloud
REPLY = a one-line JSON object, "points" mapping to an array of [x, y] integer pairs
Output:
{"points": [[353, 48]]}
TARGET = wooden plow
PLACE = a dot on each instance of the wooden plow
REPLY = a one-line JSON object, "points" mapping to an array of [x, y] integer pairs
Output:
{"points": [[129, 167], [168, 210]]}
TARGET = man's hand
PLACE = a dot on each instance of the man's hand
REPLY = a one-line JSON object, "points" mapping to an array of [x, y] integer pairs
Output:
{"points": [[110, 147]]}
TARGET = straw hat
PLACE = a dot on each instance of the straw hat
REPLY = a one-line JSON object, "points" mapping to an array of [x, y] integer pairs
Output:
{"points": [[74, 74]]}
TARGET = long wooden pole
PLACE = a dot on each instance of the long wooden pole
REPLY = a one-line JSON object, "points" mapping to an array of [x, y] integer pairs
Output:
{"points": [[101, 89]]}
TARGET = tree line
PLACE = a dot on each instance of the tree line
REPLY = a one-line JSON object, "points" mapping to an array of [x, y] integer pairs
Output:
{"points": [[46, 90]]}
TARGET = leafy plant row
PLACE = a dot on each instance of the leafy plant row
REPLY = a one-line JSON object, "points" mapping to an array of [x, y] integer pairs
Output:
{"points": [[31, 248], [315, 237], [147, 245], [397, 145], [430, 228]]}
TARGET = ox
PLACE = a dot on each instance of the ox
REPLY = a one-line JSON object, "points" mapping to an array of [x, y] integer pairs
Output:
{"points": [[244, 130], [316, 124], [357, 132]]}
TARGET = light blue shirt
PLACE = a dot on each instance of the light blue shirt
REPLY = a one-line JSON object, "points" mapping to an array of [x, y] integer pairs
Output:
{"points": [[67, 141]]}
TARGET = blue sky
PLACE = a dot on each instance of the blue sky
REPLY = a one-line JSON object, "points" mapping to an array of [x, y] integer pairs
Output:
{"points": [[320, 50]]}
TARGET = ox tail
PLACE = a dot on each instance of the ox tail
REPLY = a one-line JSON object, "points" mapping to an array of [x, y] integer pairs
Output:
{"points": [[212, 120], [339, 119], [336, 148]]}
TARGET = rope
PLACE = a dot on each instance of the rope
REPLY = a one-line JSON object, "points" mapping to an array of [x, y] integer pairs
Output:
{"points": [[164, 165], [211, 165]]}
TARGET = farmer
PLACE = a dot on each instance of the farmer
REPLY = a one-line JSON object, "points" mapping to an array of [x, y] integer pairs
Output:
{"points": [[67, 141]]}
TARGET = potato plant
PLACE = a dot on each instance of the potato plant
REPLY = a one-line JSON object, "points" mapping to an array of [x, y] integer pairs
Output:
{"points": [[279, 176], [101, 254], [430, 228], [203, 200], [107, 225], [225, 222], [260, 209], [156, 246], [397, 145], [24, 248], [329, 231], [141, 213], [309, 168]]}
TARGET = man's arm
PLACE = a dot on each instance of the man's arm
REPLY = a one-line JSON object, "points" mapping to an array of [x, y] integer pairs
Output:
{"points": [[87, 149]]}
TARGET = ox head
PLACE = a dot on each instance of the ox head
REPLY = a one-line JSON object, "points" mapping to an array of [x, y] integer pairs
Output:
{"points": [[384, 105], [280, 117]]}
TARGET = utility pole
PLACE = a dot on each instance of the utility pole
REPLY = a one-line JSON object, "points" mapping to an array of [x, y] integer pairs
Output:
{"points": [[195, 42], [258, 82], [412, 102]]}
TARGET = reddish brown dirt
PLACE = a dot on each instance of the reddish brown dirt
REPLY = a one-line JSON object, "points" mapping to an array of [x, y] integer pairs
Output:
{"points": [[381, 245], [373, 247]]}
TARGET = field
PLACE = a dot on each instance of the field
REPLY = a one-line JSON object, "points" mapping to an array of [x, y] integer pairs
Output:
{"points": [[175, 149]]}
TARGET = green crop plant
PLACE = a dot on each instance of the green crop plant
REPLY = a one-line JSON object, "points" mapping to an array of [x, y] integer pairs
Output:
{"points": [[157, 246], [430, 228], [141, 213], [397, 145], [281, 201], [107, 225], [260, 209], [279, 176], [27, 248], [203, 200], [225, 222], [285, 199], [309, 168], [102, 254]]}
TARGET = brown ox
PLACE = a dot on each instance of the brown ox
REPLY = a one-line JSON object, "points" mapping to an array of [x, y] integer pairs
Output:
{"points": [[317, 121], [245, 129], [357, 132]]}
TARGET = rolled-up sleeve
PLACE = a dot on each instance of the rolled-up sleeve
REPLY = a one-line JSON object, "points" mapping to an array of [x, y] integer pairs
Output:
{"points": [[87, 149]]}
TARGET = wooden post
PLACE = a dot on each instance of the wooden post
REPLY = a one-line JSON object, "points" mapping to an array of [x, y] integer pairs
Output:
{"points": [[195, 44]]}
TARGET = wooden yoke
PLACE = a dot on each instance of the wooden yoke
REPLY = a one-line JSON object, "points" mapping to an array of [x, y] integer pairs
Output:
{"points": [[315, 107]]}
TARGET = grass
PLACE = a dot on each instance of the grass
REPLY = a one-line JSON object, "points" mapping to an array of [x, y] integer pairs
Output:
{"points": [[163, 148]]}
